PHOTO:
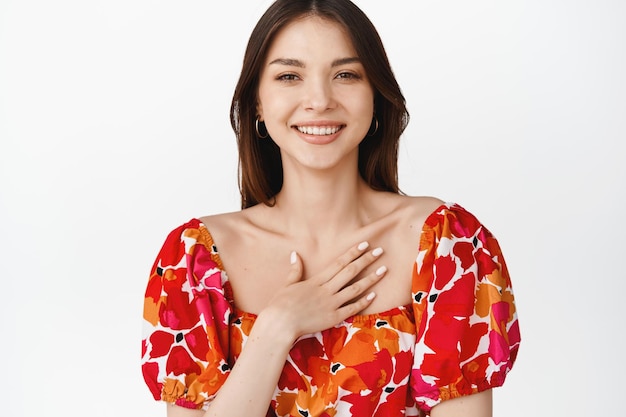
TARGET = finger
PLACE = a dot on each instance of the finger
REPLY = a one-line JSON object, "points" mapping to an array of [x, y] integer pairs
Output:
{"points": [[358, 288], [343, 261], [349, 272], [295, 273], [356, 307]]}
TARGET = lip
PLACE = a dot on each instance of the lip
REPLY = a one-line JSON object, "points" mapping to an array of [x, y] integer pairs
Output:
{"points": [[318, 139]]}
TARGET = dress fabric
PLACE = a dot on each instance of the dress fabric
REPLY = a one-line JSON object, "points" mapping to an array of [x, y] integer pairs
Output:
{"points": [[459, 335]]}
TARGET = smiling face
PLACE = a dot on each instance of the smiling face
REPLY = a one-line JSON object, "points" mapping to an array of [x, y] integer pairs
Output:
{"points": [[314, 96]]}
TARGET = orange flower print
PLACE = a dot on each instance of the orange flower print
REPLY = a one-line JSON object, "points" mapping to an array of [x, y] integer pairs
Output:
{"points": [[458, 336]]}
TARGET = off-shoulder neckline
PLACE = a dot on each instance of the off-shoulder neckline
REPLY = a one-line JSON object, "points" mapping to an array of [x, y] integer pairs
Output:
{"points": [[357, 318]]}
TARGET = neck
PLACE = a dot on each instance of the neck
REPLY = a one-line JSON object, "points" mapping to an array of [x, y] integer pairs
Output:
{"points": [[318, 206]]}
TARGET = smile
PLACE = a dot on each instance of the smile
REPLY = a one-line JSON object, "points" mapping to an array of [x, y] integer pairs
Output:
{"points": [[318, 130]]}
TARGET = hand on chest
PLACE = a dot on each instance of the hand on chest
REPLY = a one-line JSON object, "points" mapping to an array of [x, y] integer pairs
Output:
{"points": [[259, 270]]}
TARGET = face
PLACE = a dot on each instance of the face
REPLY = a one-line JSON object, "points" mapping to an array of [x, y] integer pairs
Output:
{"points": [[314, 96]]}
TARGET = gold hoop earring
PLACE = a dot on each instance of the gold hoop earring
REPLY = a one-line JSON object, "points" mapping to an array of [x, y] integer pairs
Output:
{"points": [[375, 123], [258, 132]]}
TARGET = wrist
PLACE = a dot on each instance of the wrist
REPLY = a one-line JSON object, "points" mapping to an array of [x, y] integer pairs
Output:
{"points": [[276, 325]]}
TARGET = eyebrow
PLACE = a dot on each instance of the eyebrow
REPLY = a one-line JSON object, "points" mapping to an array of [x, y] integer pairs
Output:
{"points": [[297, 63]]}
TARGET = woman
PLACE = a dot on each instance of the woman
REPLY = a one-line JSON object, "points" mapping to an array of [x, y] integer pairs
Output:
{"points": [[331, 294]]}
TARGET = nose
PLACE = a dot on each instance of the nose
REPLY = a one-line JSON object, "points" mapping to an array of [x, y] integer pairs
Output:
{"points": [[318, 95]]}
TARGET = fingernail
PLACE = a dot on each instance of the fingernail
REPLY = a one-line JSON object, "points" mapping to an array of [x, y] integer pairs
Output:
{"points": [[377, 251], [381, 270], [370, 296], [363, 246], [293, 258]]}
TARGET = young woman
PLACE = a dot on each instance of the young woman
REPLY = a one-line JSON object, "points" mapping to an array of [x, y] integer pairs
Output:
{"points": [[329, 293]]}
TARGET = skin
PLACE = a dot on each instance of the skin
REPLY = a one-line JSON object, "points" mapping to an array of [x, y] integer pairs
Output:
{"points": [[331, 247]]}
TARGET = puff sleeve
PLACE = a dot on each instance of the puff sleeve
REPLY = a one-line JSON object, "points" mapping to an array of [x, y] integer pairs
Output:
{"points": [[185, 326], [468, 334]]}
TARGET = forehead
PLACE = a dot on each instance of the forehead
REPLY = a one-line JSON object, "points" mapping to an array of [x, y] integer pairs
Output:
{"points": [[311, 35]]}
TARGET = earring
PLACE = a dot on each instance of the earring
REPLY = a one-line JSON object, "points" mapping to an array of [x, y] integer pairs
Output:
{"points": [[258, 132], [375, 124]]}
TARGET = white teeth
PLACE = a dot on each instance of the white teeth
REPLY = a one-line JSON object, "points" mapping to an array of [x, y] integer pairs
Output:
{"points": [[318, 130]]}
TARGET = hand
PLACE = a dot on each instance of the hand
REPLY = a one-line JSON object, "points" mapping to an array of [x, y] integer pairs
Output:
{"points": [[322, 301]]}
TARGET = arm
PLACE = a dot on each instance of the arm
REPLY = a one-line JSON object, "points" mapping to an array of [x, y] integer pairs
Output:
{"points": [[471, 336], [301, 307], [176, 411], [475, 405], [249, 387]]}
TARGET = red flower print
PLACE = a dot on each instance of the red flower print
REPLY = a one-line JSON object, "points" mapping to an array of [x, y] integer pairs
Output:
{"points": [[150, 371], [179, 362], [161, 343], [197, 343], [459, 335]]}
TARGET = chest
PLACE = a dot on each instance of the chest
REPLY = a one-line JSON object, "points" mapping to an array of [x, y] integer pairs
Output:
{"points": [[258, 265]]}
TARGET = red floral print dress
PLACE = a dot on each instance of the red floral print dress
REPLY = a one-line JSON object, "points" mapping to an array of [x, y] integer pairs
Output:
{"points": [[458, 336]]}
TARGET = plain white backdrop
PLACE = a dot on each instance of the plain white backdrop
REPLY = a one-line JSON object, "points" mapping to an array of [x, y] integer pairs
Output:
{"points": [[114, 130]]}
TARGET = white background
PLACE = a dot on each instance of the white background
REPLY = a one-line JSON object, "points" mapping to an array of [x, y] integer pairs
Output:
{"points": [[114, 130]]}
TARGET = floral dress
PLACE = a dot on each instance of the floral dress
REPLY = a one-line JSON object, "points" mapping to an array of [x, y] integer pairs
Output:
{"points": [[458, 336]]}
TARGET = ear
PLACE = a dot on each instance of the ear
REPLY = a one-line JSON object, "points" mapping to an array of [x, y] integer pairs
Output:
{"points": [[259, 111]]}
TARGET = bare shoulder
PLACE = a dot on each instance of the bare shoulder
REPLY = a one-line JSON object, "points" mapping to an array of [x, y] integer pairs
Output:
{"points": [[221, 220], [232, 226], [422, 204], [416, 210]]}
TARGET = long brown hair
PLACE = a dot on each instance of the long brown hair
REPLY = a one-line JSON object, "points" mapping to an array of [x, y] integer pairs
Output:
{"points": [[260, 164]]}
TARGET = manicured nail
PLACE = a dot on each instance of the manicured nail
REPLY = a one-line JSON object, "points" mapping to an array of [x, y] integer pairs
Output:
{"points": [[381, 270], [377, 251], [363, 245], [370, 296], [293, 258]]}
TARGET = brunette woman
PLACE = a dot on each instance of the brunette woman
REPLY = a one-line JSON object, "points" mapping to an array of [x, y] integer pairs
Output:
{"points": [[330, 293]]}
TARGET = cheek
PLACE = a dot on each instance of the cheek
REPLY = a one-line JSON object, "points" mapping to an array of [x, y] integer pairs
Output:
{"points": [[364, 106], [362, 101], [275, 113], [271, 105]]}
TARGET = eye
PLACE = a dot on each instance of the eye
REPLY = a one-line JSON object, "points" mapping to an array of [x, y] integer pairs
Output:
{"points": [[287, 77], [346, 75]]}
